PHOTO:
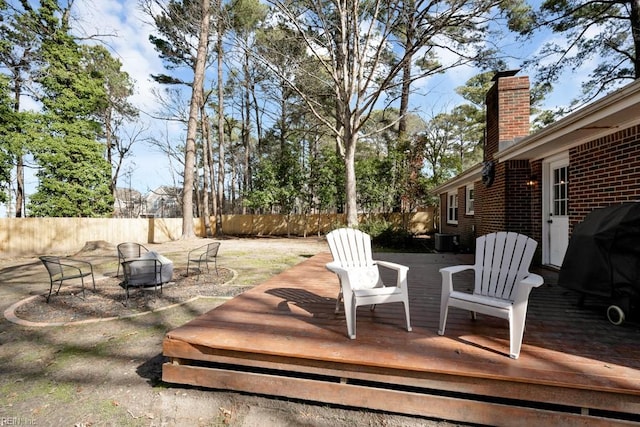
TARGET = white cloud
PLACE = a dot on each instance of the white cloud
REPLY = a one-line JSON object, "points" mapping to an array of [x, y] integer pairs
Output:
{"points": [[125, 30], [128, 39]]}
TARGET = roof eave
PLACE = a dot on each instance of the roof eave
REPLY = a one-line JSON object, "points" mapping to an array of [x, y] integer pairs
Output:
{"points": [[472, 174], [617, 110]]}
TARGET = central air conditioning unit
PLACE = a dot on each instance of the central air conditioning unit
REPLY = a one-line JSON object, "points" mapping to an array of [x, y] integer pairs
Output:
{"points": [[446, 242]]}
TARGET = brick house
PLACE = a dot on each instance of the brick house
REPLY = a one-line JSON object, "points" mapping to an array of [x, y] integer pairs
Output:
{"points": [[544, 183]]}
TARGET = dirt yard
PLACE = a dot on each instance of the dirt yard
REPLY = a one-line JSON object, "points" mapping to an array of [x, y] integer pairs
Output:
{"points": [[96, 371]]}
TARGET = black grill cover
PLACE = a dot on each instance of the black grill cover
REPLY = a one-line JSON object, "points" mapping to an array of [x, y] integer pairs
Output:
{"points": [[603, 256]]}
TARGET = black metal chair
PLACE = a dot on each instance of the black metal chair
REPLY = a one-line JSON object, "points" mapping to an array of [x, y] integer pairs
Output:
{"points": [[204, 254], [65, 268], [128, 251], [141, 273]]}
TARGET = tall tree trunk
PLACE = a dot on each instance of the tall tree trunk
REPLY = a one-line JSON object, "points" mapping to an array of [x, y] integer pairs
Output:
{"points": [[206, 165], [20, 186], [350, 140], [219, 231], [404, 100], [350, 184], [406, 68], [256, 111], [20, 199], [246, 127], [192, 127], [109, 145], [212, 176]]}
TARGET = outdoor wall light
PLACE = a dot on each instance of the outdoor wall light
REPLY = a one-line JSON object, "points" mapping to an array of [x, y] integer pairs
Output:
{"points": [[532, 181]]}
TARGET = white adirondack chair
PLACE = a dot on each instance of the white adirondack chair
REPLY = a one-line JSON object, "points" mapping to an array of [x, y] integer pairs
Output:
{"points": [[360, 282], [502, 283]]}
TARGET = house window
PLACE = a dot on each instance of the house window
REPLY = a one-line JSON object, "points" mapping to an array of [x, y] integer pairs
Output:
{"points": [[471, 195], [561, 191], [452, 208]]}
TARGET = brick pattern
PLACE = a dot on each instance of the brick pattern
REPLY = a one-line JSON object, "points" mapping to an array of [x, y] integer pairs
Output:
{"points": [[604, 172], [514, 108], [535, 193], [493, 215], [506, 204], [508, 111], [518, 194]]}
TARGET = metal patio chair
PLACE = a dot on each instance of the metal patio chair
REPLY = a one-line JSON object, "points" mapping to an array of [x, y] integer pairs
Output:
{"points": [[203, 254], [145, 272], [66, 268], [128, 251]]}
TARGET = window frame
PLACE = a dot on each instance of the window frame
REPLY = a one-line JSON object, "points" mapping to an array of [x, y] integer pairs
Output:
{"points": [[452, 207], [470, 198]]}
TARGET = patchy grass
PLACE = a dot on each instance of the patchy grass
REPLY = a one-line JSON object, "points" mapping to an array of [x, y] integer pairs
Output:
{"points": [[110, 373]]}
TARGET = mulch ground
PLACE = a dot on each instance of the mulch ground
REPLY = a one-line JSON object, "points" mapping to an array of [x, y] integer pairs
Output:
{"points": [[109, 300]]}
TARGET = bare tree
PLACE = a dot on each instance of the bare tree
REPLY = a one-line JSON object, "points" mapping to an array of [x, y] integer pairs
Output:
{"points": [[355, 44], [120, 149], [192, 126]]}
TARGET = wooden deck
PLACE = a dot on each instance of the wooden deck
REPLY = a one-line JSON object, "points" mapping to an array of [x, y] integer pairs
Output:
{"points": [[282, 338]]}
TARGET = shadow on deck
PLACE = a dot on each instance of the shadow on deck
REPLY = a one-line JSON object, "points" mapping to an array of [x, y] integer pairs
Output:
{"points": [[282, 338]]}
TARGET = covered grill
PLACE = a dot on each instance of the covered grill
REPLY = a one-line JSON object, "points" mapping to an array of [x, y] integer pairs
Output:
{"points": [[603, 259]]}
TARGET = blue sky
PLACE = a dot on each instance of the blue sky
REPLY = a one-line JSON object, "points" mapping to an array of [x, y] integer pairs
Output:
{"points": [[128, 25], [139, 59]]}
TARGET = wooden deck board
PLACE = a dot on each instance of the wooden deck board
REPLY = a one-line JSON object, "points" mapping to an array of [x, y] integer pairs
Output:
{"points": [[287, 326]]}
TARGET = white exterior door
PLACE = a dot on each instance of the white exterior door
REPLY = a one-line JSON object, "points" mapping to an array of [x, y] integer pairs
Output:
{"points": [[557, 211]]}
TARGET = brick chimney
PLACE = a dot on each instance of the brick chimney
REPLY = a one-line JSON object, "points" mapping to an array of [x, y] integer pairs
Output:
{"points": [[508, 110]]}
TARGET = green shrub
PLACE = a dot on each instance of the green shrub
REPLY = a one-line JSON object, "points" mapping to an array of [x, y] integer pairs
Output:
{"points": [[385, 235], [375, 227]]}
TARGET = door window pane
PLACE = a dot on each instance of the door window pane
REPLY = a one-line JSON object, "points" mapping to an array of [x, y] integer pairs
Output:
{"points": [[561, 191]]}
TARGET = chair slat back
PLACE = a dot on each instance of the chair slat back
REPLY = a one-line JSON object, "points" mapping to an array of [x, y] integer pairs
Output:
{"points": [[212, 250], [52, 264], [141, 272], [350, 247], [131, 250], [502, 260]]}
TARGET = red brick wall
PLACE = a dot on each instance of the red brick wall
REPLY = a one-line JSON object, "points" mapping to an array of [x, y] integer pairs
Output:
{"points": [[492, 215], [506, 204], [508, 110], [604, 172], [518, 193], [514, 109], [535, 192]]}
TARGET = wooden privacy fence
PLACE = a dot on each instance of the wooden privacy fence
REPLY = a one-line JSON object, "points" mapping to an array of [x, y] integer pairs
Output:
{"points": [[38, 236]]}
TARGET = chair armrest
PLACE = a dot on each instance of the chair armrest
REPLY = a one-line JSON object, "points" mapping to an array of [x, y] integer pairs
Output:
{"points": [[335, 267], [391, 265], [526, 285], [68, 271], [447, 276], [199, 251], [533, 280], [76, 264], [456, 269], [80, 261], [401, 280]]}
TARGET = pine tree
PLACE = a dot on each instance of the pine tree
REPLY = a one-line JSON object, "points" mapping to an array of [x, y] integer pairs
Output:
{"points": [[73, 173]]}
